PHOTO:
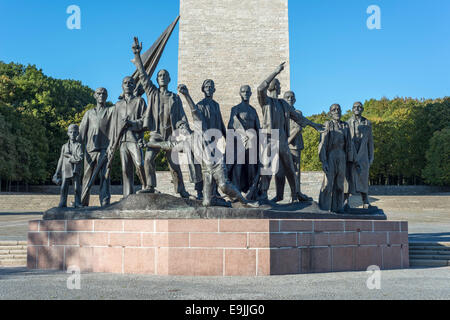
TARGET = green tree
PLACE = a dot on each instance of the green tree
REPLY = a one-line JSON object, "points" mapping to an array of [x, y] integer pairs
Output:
{"points": [[53, 103], [24, 147], [437, 170], [311, 139], [8, 146]]}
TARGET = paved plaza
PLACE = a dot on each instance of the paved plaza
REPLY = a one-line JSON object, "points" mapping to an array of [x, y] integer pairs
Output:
{"points": [[18, 283]]}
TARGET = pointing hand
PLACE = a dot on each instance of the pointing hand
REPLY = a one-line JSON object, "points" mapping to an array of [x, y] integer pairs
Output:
{"points": [[280, 67]]}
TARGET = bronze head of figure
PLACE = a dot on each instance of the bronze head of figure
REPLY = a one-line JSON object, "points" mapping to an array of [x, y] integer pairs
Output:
{"points": [[335, 112], [73, 131], [246, 93], [128, 85], [289, 96], [101, 95], [163, 78], [358, 109], [208, 88]]}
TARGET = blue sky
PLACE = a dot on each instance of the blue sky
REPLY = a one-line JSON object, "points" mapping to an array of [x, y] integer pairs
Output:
{"points": [[334, 56]]}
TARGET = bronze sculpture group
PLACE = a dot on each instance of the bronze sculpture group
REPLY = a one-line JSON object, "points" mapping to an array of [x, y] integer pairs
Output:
{"points": [[346, 148]]}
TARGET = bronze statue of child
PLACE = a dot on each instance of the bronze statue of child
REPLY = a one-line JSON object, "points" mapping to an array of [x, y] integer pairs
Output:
{"points": [[69, 167]]}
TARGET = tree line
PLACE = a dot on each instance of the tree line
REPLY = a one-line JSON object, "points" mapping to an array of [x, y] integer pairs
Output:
{"points": [[412, 137], [34, 110]]}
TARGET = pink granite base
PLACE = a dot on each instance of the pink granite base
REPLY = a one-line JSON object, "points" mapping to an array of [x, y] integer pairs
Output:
{"points": [[217, 247]]}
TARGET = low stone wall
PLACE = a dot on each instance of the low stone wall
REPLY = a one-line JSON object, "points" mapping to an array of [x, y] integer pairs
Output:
{"points": [[311, 183], [217, 247], [43, 198], [406, 190]]}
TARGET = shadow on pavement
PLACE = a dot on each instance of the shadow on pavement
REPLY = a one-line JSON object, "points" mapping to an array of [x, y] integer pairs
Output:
{"points": [[431, 237], [20, 213], [23, 271]]}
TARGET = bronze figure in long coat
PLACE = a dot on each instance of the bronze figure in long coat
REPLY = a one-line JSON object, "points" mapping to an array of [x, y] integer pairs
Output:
{"points": [[362, 143], [244, 121], [276, 116], [296, 146], [128, 113], [164, 116], [95, 131], [335, 151]]}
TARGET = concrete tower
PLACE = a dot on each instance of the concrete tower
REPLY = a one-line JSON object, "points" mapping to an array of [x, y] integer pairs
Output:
{"points": [[233, 42]]}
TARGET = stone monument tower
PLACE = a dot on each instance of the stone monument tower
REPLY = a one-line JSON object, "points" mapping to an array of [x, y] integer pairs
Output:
{"points": [[233, 42]]}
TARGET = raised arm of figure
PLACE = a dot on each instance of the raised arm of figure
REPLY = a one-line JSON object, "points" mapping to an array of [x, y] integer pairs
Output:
{"points": [[262, 89], [183, 90], [143, 75]]}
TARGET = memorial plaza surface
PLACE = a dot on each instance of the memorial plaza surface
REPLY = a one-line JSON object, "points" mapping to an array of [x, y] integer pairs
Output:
{"points": [[18, 283], [428, 216]]}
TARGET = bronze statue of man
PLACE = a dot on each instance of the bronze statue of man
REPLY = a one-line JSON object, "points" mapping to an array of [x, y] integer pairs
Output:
{"points": [[276, 115], [244, 121], [210, 109], [128, 112], [165, 114], [69, 167], [362, 143], [296, 146], [335, 152], [207, 123], [95, 136], [210, 119]]}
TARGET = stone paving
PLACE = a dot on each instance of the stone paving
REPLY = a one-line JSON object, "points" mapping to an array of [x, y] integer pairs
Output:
{"points": [[18, 283]]}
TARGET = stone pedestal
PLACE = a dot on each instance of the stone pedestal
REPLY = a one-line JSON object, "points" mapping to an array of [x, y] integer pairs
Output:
{"points": [[216, 247]]}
